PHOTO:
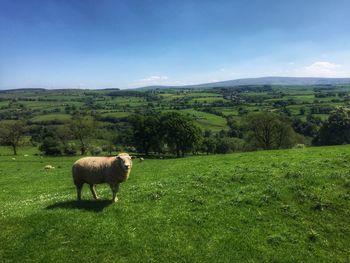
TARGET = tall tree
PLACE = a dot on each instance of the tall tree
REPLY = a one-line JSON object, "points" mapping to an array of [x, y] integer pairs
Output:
{"points": [[82, 129], [146, 132], [336, 130], [269, 131], [11, 133], [64, 135], [234, 129], [180, 133]]}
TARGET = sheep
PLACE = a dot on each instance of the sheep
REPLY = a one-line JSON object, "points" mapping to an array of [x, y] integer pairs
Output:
{"points": [[98, 170], [49, 167]]}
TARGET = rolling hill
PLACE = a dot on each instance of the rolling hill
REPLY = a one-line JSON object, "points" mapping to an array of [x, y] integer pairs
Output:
{"points": [[286, 81]]}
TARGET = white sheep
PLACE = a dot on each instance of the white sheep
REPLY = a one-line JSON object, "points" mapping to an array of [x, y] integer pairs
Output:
{"points": [[98, 170]]}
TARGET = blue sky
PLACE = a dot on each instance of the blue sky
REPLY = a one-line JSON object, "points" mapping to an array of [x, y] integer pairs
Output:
{"points": [[127, 43]]}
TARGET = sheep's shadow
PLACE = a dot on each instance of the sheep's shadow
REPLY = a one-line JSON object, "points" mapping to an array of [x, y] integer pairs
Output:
{"points": [[88, 205]]}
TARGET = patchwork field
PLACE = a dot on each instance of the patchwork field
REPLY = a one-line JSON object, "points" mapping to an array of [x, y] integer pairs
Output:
{"points": [[209, 108], [271, 206]]}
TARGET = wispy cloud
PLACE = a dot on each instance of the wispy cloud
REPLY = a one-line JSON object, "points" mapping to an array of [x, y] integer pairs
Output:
{"points": [[157, 80], [322, 68], [154, 79]]}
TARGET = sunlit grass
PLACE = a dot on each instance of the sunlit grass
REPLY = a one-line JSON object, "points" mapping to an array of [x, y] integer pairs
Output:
{"points": [[270, 206]]}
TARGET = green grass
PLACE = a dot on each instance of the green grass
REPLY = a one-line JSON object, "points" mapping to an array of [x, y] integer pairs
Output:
{"points": [[271, 206], [50, 117], [131, 101], [116, 114], [206, 100], [207, 121]]}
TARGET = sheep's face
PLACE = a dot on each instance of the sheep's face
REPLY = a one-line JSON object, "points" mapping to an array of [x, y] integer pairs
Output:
{"points": [[125, 162]]}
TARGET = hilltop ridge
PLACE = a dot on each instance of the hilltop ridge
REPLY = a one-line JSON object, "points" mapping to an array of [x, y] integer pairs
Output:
{"points": [[292, 81]]}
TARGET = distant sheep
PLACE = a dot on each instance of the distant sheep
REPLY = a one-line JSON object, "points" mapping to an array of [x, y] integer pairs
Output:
{"points": [[98, 170], [49, 167], [299, 146], [141, 159]]}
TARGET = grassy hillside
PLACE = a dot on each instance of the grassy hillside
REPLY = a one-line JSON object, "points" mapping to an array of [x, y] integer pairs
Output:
{"points": [[271, 206]]}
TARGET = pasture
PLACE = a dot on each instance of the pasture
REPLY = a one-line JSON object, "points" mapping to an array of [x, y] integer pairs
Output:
{"points": [[270, 206]]}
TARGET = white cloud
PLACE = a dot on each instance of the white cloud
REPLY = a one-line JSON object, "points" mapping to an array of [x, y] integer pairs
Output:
{"points": [[154, 79], [322, 68]]}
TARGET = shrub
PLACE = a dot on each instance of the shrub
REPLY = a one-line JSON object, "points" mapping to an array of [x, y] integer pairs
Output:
{"points": [[70, 149], [50, 146], [96, 150]]}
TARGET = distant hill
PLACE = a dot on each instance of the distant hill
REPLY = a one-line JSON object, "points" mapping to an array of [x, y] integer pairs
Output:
{"points": [[22, 90], [289, 81], [283, 81]]}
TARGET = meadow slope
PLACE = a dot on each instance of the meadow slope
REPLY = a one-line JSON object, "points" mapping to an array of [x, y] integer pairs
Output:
{"points": [[271, 206]]}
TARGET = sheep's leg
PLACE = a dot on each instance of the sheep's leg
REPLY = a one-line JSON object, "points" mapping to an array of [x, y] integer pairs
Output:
{"points": [[79, 187], [115, 188], [93, 191]]}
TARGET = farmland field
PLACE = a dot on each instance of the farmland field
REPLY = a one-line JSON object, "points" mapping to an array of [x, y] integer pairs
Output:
{"points": [[267, 206], [58, 106]]}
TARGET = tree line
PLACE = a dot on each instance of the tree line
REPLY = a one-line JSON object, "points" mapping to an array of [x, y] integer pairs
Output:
{"points": [[176, 134]]}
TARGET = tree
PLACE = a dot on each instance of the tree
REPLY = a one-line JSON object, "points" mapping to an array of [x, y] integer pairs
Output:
{"points": [[180, 133], [82, 129], [51, 146], [111, 140], [235, 129], [209, 145], [146, 132], [223, 145], [305, 128], [269, 131], [11, 133], [336, 130], [64, 135]]}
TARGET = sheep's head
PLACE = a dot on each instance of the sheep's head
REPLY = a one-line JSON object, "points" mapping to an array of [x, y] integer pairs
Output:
{"points": [[125, 161]]}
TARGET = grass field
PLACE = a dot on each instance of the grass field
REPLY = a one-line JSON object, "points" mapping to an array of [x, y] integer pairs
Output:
{"points": [[116, 114], [271, 206], [207, 121], [50, 117]]}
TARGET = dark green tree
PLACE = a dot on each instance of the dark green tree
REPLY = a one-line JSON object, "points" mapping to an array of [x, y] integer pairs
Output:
{"points": [[305, 128], [269, 131], [209, 145], [234, 129], [336, 130], [51, 146], [64, 135], [180, 133], [146, 132]]}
